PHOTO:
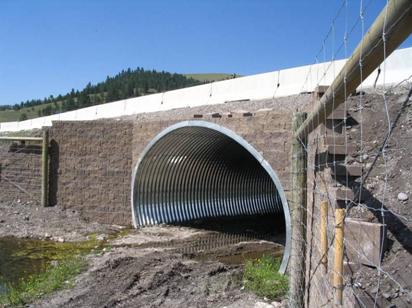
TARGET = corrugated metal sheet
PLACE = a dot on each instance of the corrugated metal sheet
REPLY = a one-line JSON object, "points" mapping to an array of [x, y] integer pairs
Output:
{"points": [[197, 172]]}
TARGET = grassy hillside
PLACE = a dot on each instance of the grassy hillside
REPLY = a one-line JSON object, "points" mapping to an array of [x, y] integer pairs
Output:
{"points": [[15, 115], [210, 77], [126, 84], [31, 112]]}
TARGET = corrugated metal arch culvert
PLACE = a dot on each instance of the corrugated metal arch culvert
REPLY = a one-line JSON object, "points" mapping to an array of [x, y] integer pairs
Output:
{"points": [[190, 170]]}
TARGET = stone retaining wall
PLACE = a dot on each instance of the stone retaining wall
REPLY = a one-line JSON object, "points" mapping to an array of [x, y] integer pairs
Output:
{"points": [[92, 161]]}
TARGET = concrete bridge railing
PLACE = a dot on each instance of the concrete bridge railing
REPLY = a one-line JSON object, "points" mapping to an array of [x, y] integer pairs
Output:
{"points": [[274, 84]]}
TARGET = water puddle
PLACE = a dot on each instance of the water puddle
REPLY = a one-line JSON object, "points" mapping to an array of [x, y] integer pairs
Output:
{"points": [[21, 258]]}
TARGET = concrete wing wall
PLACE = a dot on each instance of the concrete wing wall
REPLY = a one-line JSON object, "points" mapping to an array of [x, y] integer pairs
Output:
{"points": [[91, 169]]}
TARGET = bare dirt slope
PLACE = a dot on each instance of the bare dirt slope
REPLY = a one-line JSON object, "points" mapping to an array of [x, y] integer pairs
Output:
{"points": [[148, 278], [387, 167]]}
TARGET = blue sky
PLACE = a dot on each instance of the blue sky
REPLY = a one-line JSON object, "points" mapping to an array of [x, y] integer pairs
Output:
{"points": [[49, 47]]}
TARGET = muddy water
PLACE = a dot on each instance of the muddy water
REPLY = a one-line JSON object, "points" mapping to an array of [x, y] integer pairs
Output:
{"points": [[21, 258]]}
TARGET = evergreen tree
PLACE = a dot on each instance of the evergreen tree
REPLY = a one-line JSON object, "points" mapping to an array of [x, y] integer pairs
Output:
{"points": [[128, 83]]}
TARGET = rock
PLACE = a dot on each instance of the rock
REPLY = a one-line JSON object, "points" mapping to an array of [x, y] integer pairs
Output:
{"points": [[370, 186], [60, 240], [365, 157], [2, 221], [264, 110], [118, 227], [101, 237], [386, 295], [26, 218], [374, 290], [368, 166], [350, 160], [276, 304], [47, 235], [402, 196], [54, 263], [262, 305]]}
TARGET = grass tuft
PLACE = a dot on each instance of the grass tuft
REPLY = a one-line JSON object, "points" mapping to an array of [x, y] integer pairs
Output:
{"points": [[262, 277]]}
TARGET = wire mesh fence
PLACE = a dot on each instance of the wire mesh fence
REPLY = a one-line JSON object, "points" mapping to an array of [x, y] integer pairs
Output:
{"points": [[357, 250]]}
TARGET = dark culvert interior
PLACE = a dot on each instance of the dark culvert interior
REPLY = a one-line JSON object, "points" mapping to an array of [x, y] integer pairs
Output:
{"points": [[201, 177]]}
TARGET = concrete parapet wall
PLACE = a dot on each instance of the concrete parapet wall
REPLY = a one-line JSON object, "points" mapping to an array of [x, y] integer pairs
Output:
{"points": [[261, 86]]}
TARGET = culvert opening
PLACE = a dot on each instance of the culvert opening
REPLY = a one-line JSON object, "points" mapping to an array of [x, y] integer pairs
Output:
{"points": [[201, 174]]}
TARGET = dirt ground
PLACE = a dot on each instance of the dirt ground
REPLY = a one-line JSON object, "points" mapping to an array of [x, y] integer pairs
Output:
{"points": [[159, 266], [26, 220], [143, 269]]}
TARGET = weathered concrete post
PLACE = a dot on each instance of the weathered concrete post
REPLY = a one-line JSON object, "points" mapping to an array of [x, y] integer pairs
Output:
{"points": [[298, 216], [45, 169]]}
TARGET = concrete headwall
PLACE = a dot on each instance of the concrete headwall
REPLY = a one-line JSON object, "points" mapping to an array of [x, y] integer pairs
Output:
{"points": [[92, 161]]}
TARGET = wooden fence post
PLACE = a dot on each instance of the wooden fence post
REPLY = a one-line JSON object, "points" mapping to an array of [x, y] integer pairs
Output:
{"points": [[45, 169], [338, 262], [324, 233], [298, 217]]}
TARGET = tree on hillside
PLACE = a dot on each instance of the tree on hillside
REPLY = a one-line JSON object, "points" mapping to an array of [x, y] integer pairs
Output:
{"points": [[128, 83], [23, 117]]}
